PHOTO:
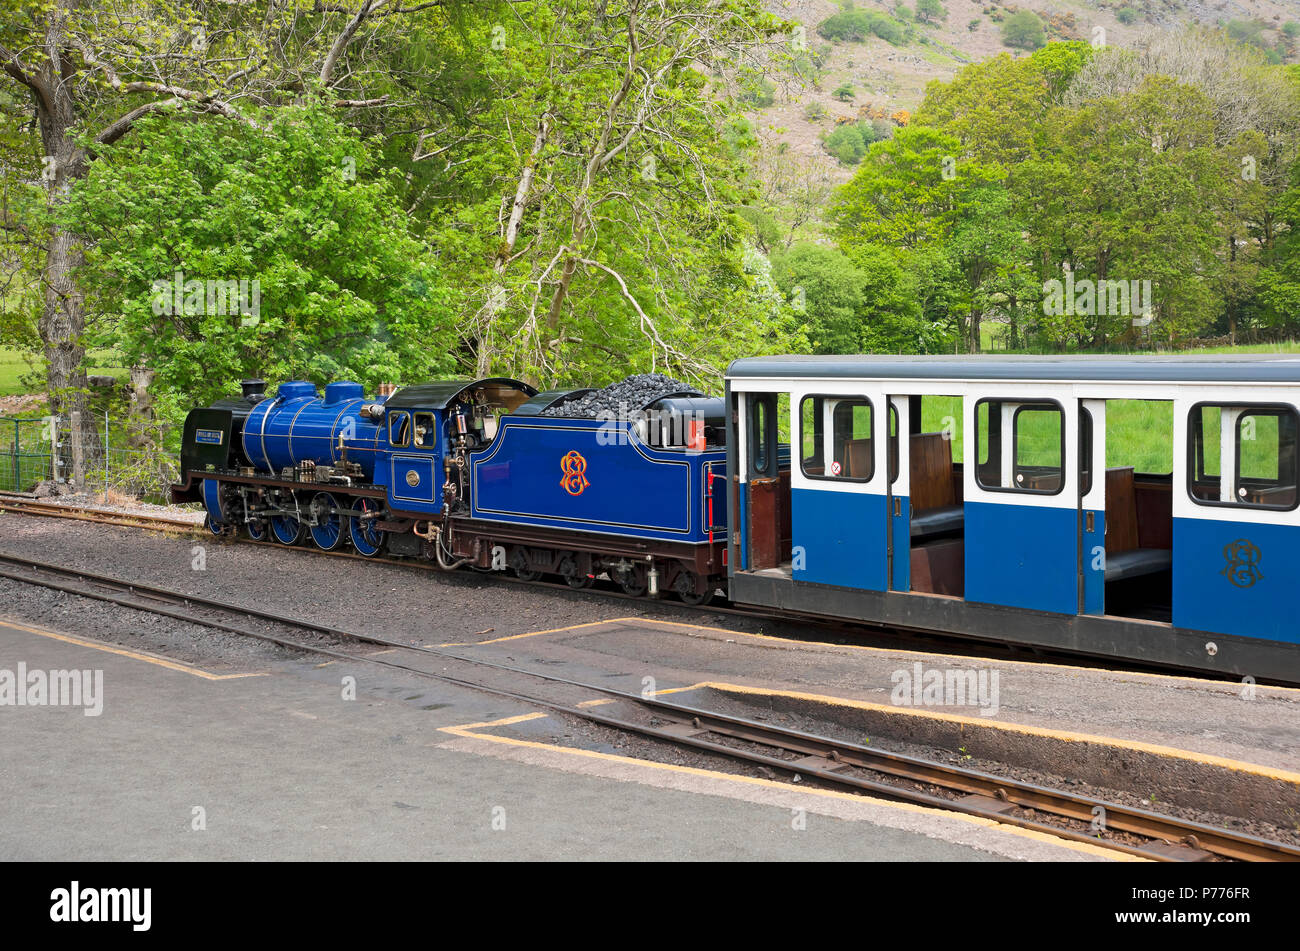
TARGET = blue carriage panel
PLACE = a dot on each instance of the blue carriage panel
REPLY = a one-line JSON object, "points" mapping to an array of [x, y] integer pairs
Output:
{"points": [[594, 477], [838, 538], [1022, 556], [900, 524], [1094, 563], [1237, 578]]}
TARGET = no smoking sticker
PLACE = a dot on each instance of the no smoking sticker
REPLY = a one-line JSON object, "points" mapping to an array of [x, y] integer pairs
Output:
{"points": [[835, 468]]}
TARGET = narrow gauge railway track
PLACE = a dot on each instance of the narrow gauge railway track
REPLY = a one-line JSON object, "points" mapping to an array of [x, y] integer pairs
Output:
{"points": [[830, 763], [26, 506], [908, 638]]}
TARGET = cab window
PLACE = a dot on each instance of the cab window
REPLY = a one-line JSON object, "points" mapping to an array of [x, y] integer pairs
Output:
{"points": [[426, 430], [399, 426]]}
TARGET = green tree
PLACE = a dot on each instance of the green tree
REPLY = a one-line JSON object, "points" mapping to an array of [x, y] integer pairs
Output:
{"points": [[931, 11], [1024, 30], [337, 286]]}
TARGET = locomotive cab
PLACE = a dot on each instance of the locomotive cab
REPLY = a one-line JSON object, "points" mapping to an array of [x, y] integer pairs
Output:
{"points": [[432, 428]]}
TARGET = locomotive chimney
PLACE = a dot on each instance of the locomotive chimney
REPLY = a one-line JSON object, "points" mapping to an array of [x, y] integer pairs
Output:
{"points": [[254, 390]]}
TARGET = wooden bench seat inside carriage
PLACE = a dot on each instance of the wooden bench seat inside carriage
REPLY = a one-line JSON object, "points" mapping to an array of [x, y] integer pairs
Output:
{"points": [[935, 499], [938, 555], [1137, 544]]}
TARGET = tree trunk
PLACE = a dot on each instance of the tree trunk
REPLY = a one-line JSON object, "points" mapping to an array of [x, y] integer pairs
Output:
{"points": [[62, 323], [141, 431]]}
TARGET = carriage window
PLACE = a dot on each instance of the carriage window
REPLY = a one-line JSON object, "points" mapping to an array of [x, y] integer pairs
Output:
{"points": [[1085, 452], [1035, 460], [1265, 450], [893, 444], [760, 437], [810, 436], [398, 424], [851, 455]]}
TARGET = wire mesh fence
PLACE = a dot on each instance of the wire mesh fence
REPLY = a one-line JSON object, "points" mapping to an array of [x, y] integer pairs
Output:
{"points": [[28, 453], [39, 450]]}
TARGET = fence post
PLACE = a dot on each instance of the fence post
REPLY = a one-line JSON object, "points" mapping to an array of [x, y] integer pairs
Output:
{"points": [[17, 448], [55, 466], [107, 456], [78, 453]]}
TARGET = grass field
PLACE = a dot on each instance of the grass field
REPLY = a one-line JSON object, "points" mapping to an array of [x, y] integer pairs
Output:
{"points": [[12, 367]]}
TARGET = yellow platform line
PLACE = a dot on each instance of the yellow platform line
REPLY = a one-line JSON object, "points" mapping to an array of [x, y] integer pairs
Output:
{"points": [[468, 731], [123, 652], [1070, 736]]}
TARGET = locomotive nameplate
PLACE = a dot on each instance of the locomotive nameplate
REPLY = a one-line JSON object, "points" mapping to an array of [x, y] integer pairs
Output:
{"points": [[209, 437]]}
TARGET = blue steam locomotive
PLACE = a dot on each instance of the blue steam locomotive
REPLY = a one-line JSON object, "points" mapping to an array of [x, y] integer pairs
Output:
{"points": [[488, 473]]}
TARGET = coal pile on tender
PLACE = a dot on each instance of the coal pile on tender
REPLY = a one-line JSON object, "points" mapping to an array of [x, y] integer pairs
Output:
{"points": [[625, 396]]}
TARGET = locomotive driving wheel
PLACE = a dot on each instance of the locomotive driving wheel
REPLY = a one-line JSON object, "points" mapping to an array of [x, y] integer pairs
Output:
{"points": [[328, 530], [366, 539]]}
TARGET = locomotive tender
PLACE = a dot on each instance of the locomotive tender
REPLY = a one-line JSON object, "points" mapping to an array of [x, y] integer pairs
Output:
{"points": [[1007, 521]]}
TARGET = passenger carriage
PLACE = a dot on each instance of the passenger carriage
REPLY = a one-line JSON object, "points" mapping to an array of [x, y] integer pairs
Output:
{"points": [[977, 496]]}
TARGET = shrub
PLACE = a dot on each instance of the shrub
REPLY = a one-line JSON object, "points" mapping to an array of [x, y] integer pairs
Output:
{"points": [[846, 144], [844, 92], [856, 25], [757, 91], [814, 111], [1126, 15]]}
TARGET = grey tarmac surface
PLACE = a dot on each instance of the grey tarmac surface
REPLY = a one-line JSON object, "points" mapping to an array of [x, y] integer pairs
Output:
{"points": [[283, 767]]}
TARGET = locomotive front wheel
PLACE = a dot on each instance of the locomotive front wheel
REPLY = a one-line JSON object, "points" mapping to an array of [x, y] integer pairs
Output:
{"points": [[257, 529], [216, 528], [366, 539], [328, 530]]}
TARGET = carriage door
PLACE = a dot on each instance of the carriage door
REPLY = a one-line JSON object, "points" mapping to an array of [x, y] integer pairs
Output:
{"points": [[1092, 506], [1236, 564], [1022, 500], [899, 502], [765, 489], [839, 488]]}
